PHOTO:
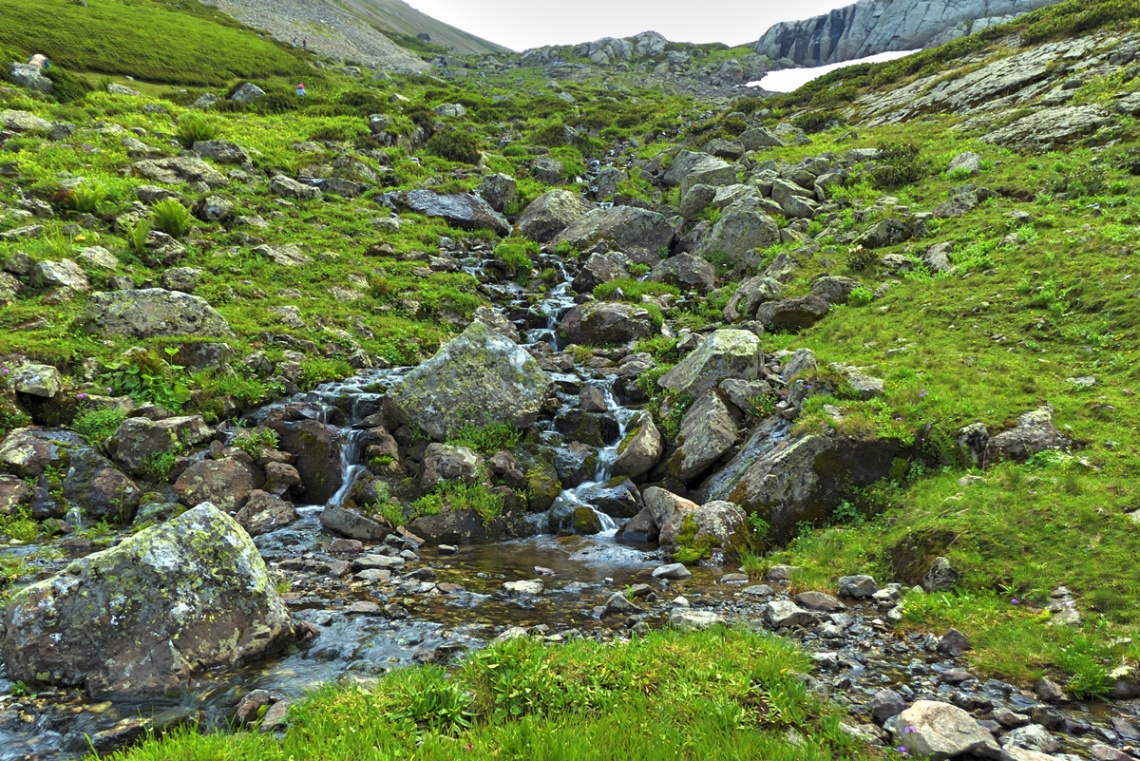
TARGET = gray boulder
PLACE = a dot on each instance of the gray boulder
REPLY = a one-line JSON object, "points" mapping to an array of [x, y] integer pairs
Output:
{"points": [[463, 210], [247, 92], [498, 190], [222, 151], [551, 213], [317, 448], [287, 187], [605, 323], [353, 524], [23, 121], [968, 163], [707, 431], [36, 380], [265, 512], [740, 230], [792, 314], [780, 614], [687, 272], [179, 169], [719, 523], [61, 274], [28, 452], [601, 268], [689, 169], [750, 295], [478, 376], [150, 312], [94, 485], [627, 228], [640, 450], [1050, 128], [29, 76], [226, 483], [936, 730], [727, 353], [1033, 433], [147, 615], [759, 137], [139, 440]]}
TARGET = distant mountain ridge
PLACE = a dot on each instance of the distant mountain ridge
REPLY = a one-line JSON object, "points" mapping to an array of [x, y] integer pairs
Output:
{"points": [[876, 26]]}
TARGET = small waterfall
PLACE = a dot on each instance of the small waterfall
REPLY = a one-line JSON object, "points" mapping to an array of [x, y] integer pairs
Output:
{"points": [[350, 465]]}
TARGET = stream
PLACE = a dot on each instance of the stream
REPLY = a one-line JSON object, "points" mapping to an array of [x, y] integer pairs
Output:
{"points": [[440, 604]]}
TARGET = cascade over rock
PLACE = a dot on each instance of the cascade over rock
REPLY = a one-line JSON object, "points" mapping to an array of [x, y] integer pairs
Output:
{"points": [[476, 378]]}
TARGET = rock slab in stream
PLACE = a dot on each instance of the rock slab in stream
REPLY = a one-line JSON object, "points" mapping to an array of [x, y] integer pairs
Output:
{"points": [[477, 378], [146, 615]]}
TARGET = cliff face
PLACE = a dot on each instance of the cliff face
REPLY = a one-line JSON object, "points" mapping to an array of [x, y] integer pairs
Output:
{"points": [[876, 26]]}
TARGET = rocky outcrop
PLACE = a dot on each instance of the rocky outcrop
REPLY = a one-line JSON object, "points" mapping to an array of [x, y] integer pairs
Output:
{"points": [[477, 378], [876, 26], [606, 322], [628, 228], [727, 353], [150, 312], [145, 616], [551, 213], [707, 431]]}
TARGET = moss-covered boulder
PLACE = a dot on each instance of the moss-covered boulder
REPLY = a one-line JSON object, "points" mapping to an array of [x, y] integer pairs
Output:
{"points": [[727, 353], [640, 450], [542, 486], [551, 213], [28, 452], [150, 312], [477, 378], [601, 323], [140, 442], [640, 233], [145, 616]]}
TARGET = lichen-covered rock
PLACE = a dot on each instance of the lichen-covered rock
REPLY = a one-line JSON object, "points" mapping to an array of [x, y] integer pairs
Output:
{"points": [[792, 314], [936, 730], [225, 483], [637, 232], [36, 380], [1033, 433], [499, 190], [179, 169], [139, 441], [641, 449], [264, 512], [27, 452], [605, 323], [13, 494], [707, 432], [443, 462], [61, 274], [551, 213], [718, 524], [23, 121], [287, 187], [685, 271], [727, 353], [145, 616], [750, 295], [476, 378], [30, 76], [462, 210], [738, 233], [150, 312], [689, 169]]}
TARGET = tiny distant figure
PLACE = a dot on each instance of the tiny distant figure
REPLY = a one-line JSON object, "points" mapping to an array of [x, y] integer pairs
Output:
{"points": [[304, 43], [300, 89], [294, 42], [40, 60]]}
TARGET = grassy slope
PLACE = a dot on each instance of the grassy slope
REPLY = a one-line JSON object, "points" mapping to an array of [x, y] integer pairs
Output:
{"points": [[138, 39]]}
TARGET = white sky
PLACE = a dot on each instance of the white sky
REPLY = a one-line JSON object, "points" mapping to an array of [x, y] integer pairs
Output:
{"points": [[523, 24]]}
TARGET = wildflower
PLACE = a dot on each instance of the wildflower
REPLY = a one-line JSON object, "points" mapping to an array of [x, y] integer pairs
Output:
{"points": [[909, 730], [4, 371], [1015, 601], [902, 750], [922, 394], [81, 396]]}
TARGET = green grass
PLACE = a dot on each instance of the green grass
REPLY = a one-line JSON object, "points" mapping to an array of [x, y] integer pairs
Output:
{"points": [[721, 694], [185, 44]]}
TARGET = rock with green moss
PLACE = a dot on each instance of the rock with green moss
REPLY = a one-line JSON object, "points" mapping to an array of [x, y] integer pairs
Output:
{"points": [[28, 452], [36, 380], [586, 521], [727, 353], [716, 524], [542, 486], [147, 615], [317, 448], [477, 378], [640, 450], [150, 312], [708, 430], [640, 233], [139, 442]]}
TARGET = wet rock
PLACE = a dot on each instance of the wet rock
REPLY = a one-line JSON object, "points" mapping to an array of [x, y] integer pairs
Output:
{"points": [[725, 354], [758, 590], [457, 527], [585, 521], [940, 731], [353, 524], [527, 587], [606, 322], [226, 483], [718, 524], [150, 312], [627, 228], [476, 378], [13, 494], [1033, 737], [1009, 719], [588, 428], [1102, 752], [885, 704], [139, 443], [857, 587], [687, 619], [551, 213], [318, 451], [592, 399], [146, 615], [1047, 716], [641, 449], [780, 614], [1033, 433], [443, 462], [264, 512], [463, 210], [619, 604], [672, 571], [1049, 691]]}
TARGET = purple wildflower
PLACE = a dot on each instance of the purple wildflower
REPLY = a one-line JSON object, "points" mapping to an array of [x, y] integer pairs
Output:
{"points": [[4, 371], [81, 396], [909, 730], [922, 394], [1015, 601], [109, 390], [902, 750]]}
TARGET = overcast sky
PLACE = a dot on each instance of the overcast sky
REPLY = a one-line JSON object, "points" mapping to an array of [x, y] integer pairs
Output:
{"points": [[522, 24]]}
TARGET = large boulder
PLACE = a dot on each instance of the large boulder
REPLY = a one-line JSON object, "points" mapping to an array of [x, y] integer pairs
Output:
{"points": [[150, 312], [606, 322], [499, 190], [94, 485], [456, 527], [353, 524], [738, 233], [222, 151], [790, 480], [318, 450], [1033, 433], [551, 213], [717, 523], [792, 314], [179, 169], [727, 353], [750, 295], [638, 232], [246, 92], [140, 441], [36, 380], [226, 483], [707, 431], [640, 450], [477, 378], [147, 615], [23, 121], [30, 76], [601, 268], [687, 272], [689, 169], [264, 512], [463, 210], [936, 730], [28, 452]]}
